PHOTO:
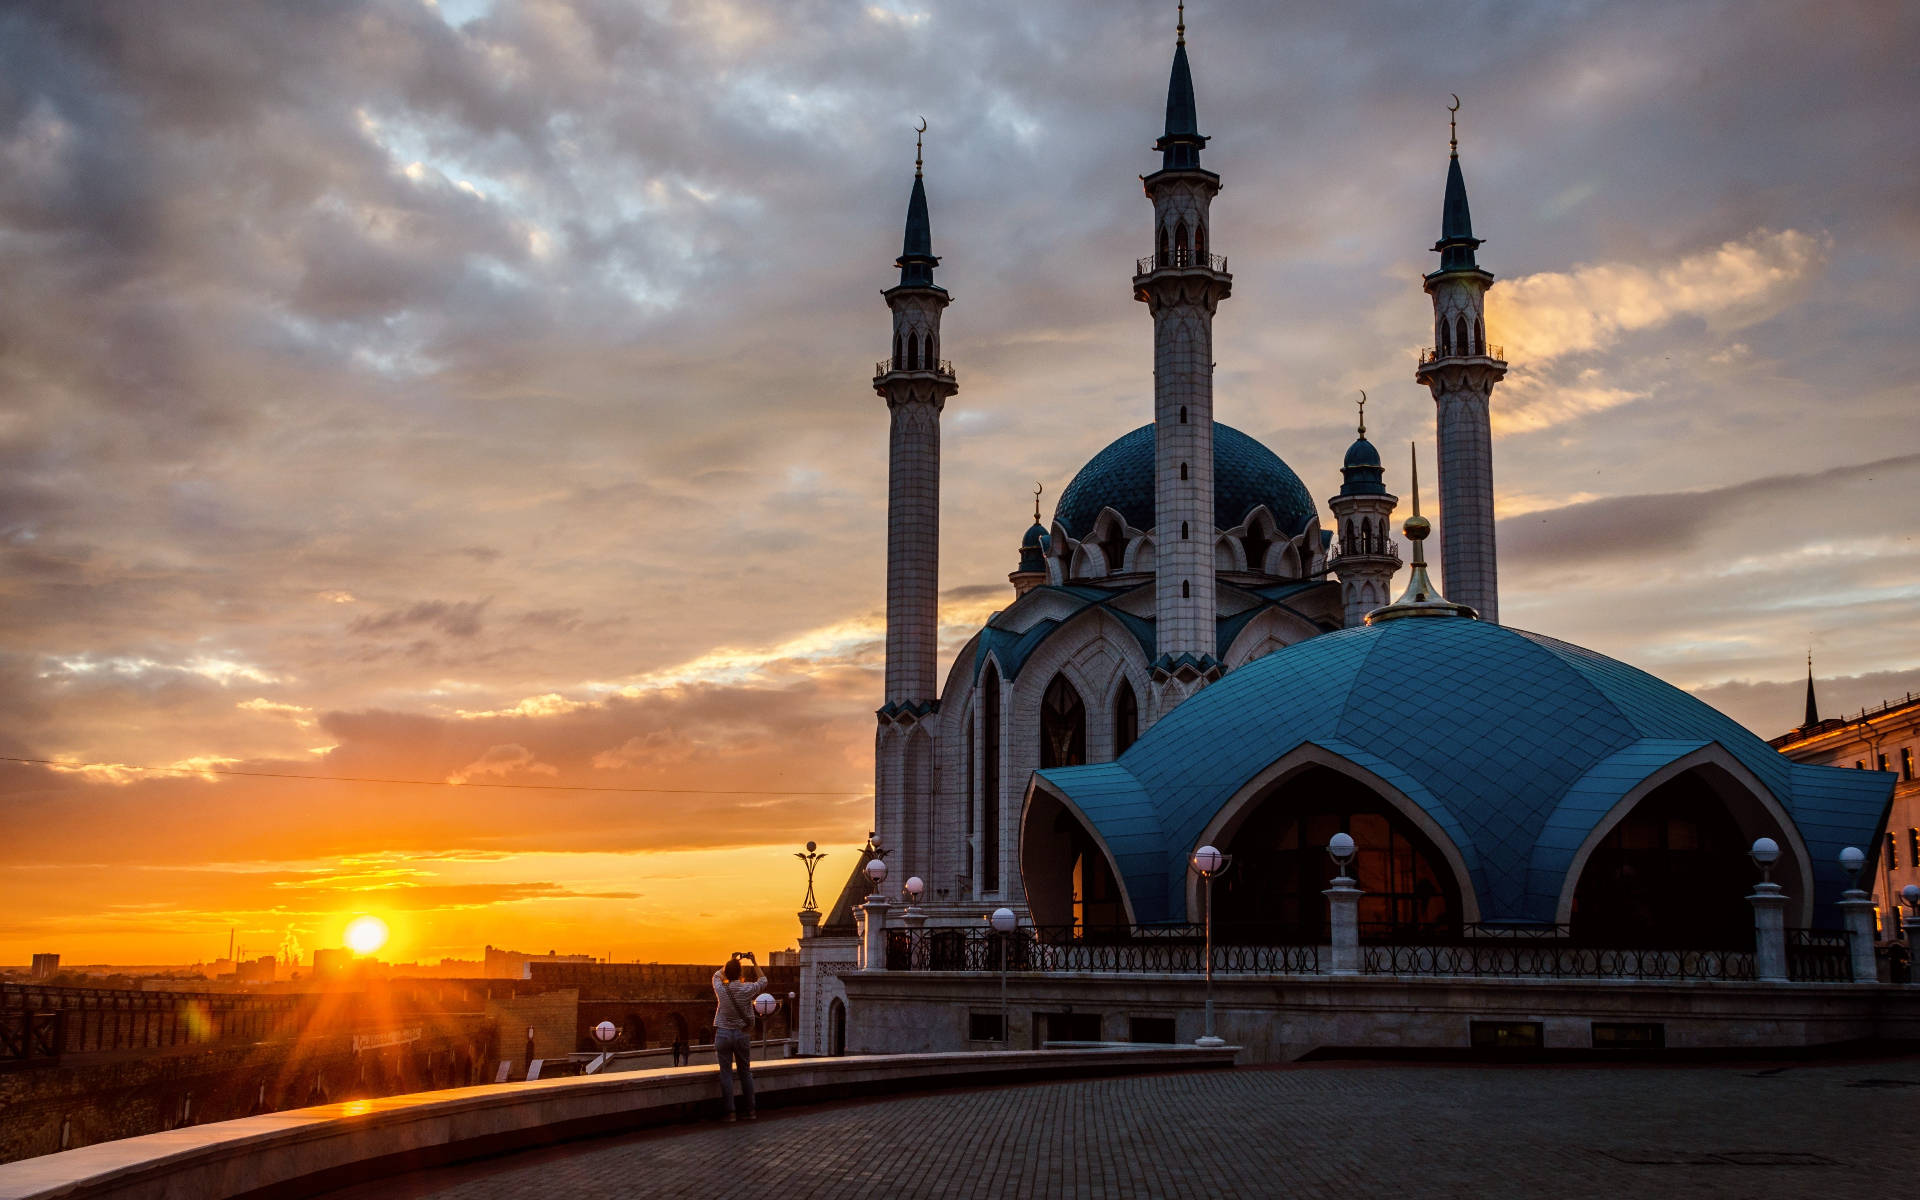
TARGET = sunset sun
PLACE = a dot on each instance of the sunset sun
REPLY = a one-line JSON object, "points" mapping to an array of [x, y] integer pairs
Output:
{"points": [[366, 934]]}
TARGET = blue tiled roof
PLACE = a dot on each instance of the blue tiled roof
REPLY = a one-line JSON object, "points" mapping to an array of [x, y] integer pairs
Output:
{"points": [[1514, 743], [1245, 475]]}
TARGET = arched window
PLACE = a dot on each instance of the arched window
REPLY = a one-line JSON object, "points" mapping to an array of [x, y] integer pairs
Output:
{"points": [[1180, 247], [1479, 335], [933, 350], [990, 779], [1200, 244], [1672, 871], [1442, 341], [898, 359], [1183, 470], [1126, 718], [1183, 531], [1186, 590], [1163, 259], [1460, 335], [1183, 414], [913, 352], [1063, 725]]}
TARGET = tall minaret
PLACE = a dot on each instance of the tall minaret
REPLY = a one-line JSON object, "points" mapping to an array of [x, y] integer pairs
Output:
{"points": [[1461, 370], [915, 384], [1363, 513], [1181, 285]]}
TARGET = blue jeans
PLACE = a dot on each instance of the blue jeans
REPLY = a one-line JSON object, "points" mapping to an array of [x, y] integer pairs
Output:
{"points": [[731, 1046]]}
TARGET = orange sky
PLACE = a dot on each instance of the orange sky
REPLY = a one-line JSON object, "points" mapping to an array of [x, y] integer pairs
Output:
{"points": [[478, 394]]}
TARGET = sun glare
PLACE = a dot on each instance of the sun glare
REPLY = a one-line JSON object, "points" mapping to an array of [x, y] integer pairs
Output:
{"points": [[366, 934]]}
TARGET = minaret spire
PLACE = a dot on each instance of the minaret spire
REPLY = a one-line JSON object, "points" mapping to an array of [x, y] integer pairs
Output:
{"points": [[916, 385], [1461, 370], [1813, 710], [1422, 598], [1182, 283]]}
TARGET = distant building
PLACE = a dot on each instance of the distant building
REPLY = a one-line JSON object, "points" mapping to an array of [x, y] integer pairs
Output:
{"points": [[784, 958], [260, 970], [512, 964], [46, 966], [1882, 739], [331, 964]]}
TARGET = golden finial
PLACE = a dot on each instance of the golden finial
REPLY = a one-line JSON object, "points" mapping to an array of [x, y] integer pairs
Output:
{"points": [[1363, 412], [1453, 129], [1180, 30], [917, 135], [1421, 599], [1417, 527], [1037, 489]]}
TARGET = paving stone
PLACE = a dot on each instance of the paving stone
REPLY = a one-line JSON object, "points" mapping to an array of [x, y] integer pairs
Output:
{"points": [[1326, 1130]]}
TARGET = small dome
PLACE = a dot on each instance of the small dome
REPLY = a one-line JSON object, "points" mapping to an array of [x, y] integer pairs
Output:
{"points": [[1245, 475], [1361, 472], [1033, 549]]}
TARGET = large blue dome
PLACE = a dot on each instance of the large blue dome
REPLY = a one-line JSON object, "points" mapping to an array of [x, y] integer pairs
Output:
{"points": [[1245, 475], [1515, 744]]}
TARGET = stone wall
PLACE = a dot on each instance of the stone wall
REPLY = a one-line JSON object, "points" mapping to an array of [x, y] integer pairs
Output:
{"points": [[1281, 1019]]}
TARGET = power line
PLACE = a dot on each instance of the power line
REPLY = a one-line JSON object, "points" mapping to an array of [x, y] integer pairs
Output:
{"points": [[533, 787]]}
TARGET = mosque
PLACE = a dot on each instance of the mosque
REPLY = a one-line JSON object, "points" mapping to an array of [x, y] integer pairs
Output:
{"points": [[1195, 653]]}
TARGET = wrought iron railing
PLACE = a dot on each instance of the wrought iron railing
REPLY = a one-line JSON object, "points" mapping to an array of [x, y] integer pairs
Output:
{"points": [[1819, 956], [1433, 354], [1144, 949], [887, 366], [1181, 260], [1527, 958], [1384, 548]]}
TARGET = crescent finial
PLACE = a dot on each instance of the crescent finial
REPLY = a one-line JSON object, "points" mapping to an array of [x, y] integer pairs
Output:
{"points": [[1453, 129], [1037, 489], [917, 135], [1363, 412], [1454, 107], [923, 122]]}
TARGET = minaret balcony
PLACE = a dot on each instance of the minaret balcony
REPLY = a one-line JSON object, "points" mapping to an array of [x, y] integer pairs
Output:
{"points": [[1387, 551], [1433, 354], [1182, 260], [940, 369]]}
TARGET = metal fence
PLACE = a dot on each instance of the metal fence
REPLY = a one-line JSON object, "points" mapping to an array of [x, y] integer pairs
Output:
{"points": [[1526, 958], [1819, 956], [1144, 949]]}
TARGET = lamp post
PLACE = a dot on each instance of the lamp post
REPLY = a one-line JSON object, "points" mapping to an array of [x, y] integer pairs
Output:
{"points": [[1911, 894], [1209, 863], [1856, 916], [793, 1007], [763, 1007], [1343, 908], [1003, 922], [1769, 915], [875, 942], [604, 1033]]}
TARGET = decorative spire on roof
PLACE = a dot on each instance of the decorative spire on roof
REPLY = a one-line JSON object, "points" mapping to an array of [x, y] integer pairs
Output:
{"points": [[1363, 412], [916, 261], [1361, 471], [1180, 145], [1421, 599], [1037, 489], [1457, 243], [1813, 710]]}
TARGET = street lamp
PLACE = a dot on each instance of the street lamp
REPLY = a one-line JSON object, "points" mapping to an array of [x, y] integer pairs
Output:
{"points": [[763, 1006], [876, 874], [1853, 860], [1003, 922], [1765, 853], [913, 888], [1209, 863]]}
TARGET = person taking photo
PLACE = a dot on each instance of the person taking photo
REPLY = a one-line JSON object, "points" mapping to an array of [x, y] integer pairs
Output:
{"points": [[733, 1028]]}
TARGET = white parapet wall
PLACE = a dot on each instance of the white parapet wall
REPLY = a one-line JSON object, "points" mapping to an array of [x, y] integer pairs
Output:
{"points": [[1283, 1018], [311, 1150]]}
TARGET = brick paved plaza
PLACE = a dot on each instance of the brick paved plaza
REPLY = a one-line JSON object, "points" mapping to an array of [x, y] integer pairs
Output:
{"points": [[1347, 1130]]}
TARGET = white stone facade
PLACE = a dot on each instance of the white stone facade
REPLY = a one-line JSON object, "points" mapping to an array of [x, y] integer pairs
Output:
{"points": [[1461, 372]]}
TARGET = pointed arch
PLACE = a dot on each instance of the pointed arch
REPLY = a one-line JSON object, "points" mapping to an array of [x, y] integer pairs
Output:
{"points": [[1442, 336], [1200, 242], [899, 351], [1480, 335], [913, 352], [1126, 717], [1460, 334], [990, 777], [1063, 725], [1180, 244]]}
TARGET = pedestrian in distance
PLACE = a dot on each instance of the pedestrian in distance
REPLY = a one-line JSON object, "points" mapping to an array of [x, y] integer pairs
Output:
{"points": [[733, 1028], [681, 1054]]}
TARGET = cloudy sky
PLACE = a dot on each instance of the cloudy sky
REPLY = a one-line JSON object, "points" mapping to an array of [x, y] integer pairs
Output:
{"points": [[478, 393]]}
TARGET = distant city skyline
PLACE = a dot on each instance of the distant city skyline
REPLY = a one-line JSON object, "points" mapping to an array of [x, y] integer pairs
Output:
{"points": [[477, 394]]}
